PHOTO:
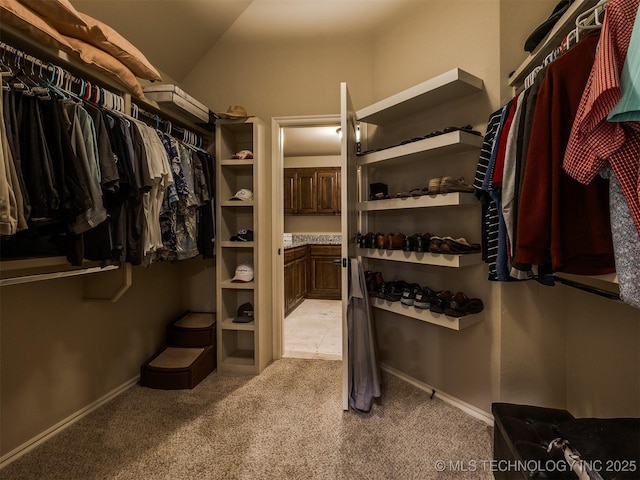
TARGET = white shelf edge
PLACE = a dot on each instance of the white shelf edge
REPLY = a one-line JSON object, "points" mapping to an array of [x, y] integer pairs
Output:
{"points": [[440, 319], [237, 203], [232, 162], [445, 144], [227, 324], [564, 25], [228, 284], [438, 90], [452, 199], [423, 258], [231, 244]]}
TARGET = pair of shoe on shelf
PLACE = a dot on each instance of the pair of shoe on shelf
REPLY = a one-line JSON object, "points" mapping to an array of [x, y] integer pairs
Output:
{"points": [[452, 246], [439, 185], [424, 298], [391, 241], [435, 133], [418, 242], [455, 304]]}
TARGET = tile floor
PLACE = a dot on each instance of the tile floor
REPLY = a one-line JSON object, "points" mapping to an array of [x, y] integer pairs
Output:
{"points": [[314, 330]]}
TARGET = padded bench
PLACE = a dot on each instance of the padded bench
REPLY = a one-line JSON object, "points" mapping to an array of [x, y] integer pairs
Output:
{"points": [[194, 329], [178, 367]]}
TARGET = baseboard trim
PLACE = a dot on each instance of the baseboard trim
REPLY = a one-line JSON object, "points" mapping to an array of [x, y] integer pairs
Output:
{"points": [[67, 422], [450, 399]]}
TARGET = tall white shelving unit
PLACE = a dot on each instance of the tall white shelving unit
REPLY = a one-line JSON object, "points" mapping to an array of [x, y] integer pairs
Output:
{"points": [[243, 348]]}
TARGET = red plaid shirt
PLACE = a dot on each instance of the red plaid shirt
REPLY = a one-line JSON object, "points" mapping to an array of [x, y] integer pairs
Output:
{"points": [[594, 141]]}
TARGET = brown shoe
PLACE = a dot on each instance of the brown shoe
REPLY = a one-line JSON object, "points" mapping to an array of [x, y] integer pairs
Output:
{"points": [[458, 246], [396, 241], [434, 244], [450, 184], [382, 240]]}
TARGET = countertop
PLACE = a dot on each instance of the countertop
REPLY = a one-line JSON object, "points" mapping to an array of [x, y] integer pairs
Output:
{"points": [[301, 239]]}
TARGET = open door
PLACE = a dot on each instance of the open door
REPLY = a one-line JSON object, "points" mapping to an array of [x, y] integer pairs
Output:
{"points": [[349, 220]]}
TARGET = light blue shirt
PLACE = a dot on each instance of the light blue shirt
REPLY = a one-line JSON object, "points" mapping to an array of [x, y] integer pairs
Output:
{"points": [[628, 107]]}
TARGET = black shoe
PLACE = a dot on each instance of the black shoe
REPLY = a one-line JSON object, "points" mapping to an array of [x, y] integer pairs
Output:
{"points": [[461, 305], [393, 290], [423, 298], [409, 294], [440, 301]]}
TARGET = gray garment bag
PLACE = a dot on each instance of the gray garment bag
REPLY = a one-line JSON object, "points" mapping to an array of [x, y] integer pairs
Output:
{"points": [[364, 376]]}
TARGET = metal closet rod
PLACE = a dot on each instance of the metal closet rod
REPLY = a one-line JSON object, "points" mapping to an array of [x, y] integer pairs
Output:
{"points": [[587, 288]]}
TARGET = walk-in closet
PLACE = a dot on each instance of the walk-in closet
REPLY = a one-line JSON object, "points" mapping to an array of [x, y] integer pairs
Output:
{"points": [[462, 247]]}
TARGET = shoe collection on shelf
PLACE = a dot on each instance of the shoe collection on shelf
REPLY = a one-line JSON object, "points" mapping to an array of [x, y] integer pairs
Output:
{"points": [[424, 298], [388, 160], [435, 133], [436, 186], [418, 242]]}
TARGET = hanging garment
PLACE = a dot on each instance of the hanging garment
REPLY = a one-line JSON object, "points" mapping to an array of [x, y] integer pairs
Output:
{"points": [[8, 202], [364, 384], [206, 212], [489, 207], [594, 141], [628, 108], [626, 243], [11, 128], [553, 205], [83, 143]]}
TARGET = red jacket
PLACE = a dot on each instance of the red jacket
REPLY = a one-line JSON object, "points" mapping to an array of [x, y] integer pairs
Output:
{"points": [[559, 218]]}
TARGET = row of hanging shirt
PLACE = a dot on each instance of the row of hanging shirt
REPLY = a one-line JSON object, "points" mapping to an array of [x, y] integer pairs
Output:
{"points": [[99, 184], [558, 172]]}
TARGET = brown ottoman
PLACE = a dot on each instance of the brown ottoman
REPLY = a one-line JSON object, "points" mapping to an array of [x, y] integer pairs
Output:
{"points": [[178, 367]]}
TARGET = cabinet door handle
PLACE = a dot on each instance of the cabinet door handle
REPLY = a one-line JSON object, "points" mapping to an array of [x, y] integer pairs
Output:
{"points": [[337, 261]]}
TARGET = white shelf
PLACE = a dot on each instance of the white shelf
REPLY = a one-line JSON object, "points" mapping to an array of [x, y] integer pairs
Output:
{"points": [[563, 26], [231, 244], [427, 316], [237, 203], [241, 358], [445, 144], [454, 199], [232, 162], [228, 284], [423, 258], [228, 324], [448, 86]]}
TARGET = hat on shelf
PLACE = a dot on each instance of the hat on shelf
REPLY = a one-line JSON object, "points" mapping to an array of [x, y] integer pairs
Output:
{"points": [[245, 314], [243, 155], [244, 273], [243, 194], [243, 235], [545, 27], [234, 111]]}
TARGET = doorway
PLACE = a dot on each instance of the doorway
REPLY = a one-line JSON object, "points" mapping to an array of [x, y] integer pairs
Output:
{"points": [[313, 329]]}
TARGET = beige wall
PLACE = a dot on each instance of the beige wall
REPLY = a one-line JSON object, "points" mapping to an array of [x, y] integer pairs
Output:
{"points": [[60, 353]]}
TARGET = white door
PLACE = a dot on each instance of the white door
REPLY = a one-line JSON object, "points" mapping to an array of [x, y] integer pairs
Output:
{"points": [[349, 220]]}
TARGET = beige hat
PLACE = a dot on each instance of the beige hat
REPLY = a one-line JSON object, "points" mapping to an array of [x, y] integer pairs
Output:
{"points": [[234, 111], [243, 194], [244, 273]]}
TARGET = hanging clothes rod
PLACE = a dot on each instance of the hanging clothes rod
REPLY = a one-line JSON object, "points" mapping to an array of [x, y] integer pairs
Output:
{"points": [[188, 137], [59, 80], [587, 288]]}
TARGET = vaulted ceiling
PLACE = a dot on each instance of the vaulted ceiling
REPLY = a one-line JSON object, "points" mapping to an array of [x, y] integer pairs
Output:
{"points": [[175, 34]]}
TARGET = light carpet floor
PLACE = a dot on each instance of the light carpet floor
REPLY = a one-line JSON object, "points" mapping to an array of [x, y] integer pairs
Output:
{"points": [[286, 423]]}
